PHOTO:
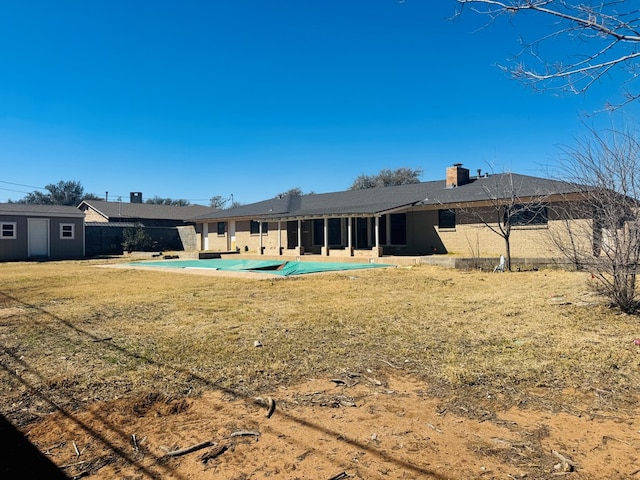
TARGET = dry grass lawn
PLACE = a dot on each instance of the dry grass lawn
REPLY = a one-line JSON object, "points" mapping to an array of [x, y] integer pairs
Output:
{"points": [[476, 343]]}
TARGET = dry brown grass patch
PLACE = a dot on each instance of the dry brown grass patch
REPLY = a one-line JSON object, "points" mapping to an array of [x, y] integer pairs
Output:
{"points": [[75, 333]]}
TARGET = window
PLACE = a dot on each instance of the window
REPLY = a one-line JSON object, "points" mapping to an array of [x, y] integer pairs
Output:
{"points": [[255, 227], [334, 233], [222, 228], [382, 229], [8, 230], [67, 231], [363, 233], [528, 215], [318, 232], [447, 218], [398, 229]]}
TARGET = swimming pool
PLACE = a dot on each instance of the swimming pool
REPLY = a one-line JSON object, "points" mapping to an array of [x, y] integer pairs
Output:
{"points": [[274, 267]]}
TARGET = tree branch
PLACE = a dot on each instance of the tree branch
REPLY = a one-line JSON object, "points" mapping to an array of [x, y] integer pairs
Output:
{"points": [[610, 28]]}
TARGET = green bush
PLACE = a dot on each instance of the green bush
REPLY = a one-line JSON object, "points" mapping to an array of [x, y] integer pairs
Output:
{"points": [[135, 238]]}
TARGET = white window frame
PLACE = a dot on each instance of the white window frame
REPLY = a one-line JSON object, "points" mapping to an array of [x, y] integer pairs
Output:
{"points": [[62, 231], [14, 229]]}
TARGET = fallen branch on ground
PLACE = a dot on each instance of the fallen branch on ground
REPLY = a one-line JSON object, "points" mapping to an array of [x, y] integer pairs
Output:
{"points": [[391, 364], [340, 476], [193, 448], [213, 453], [244, 433]]}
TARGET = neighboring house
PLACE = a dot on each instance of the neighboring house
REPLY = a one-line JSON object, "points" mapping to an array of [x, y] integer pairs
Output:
{"points": [[426, 218], [40, 232], [167, 225]]}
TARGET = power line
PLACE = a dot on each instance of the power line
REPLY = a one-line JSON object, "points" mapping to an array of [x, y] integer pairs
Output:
{"points": [[12, 190], [22, 185]]}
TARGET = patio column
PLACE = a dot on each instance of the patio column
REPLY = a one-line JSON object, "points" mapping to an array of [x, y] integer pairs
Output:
{"points": [[387, 218], [232, 234], [376, 250], [300, 248], [279, 238], [260, 235], [205, 236], [326, 236], [349, 233]]}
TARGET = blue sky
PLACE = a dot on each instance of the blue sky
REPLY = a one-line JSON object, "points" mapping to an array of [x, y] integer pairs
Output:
{"points": [[251, 98]]}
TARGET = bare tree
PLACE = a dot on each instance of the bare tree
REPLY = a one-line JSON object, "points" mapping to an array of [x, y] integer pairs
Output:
{"points": [[605, 35], [602, 225], [222, 203], [507, 205], [218, 201]]}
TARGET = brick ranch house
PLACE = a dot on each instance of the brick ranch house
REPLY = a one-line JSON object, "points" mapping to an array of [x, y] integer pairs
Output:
{"points": [[429, 218]]}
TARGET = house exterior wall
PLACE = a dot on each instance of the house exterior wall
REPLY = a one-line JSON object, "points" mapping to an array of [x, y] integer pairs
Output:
{"points": [[217, 243], [422, 234], [90, 215], [59, 248], [469, 238], [476, 240], [245, 240]]}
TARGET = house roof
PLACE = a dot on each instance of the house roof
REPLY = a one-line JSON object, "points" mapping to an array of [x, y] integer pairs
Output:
{"points": [[149, 211], [498, 186], [374, 201], [28, 209]]}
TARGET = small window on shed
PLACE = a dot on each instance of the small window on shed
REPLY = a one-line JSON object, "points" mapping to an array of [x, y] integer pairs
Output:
{"points": [[222, 228], [447, 218], [67, 231], [8, 230]]}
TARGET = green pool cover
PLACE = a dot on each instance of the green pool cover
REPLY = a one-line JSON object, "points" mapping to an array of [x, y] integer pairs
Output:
{"points": [[277, 267]]}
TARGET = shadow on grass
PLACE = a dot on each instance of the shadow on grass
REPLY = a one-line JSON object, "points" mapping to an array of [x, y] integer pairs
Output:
{"points": [[32, 454]]}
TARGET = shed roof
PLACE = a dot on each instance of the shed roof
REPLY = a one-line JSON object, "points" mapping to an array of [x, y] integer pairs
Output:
{"points": [[29, 209], [149, 211]]}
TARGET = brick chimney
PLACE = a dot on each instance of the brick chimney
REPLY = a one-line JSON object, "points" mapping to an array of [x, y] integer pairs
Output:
{"points": [[457, 175]]}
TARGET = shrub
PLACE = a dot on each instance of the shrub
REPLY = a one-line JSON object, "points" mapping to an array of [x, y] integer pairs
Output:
{"points": [[135, 238]]}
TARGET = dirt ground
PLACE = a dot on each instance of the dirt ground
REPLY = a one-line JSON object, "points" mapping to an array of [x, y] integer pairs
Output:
{"points": [[360, 425], [355, 427]]}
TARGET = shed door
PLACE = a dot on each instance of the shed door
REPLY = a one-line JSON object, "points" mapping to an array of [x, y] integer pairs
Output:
{"points": [[38, 232]]}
